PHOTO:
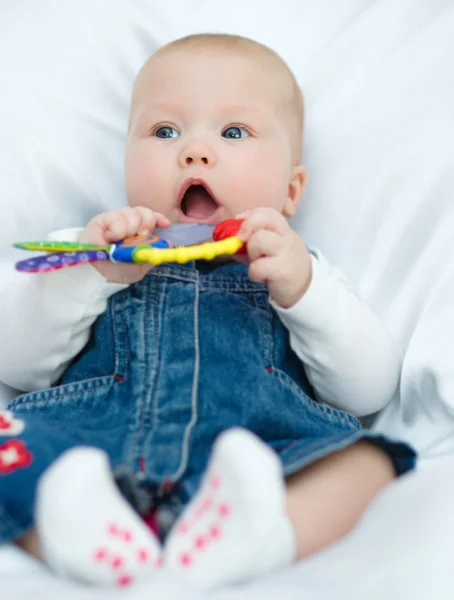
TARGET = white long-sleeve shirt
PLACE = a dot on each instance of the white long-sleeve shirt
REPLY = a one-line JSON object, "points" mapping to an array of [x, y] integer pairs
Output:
{"points": [[349, 357]]}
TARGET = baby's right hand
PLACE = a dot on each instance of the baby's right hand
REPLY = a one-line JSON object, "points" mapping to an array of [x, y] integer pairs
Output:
{"points": [[115, 226]]}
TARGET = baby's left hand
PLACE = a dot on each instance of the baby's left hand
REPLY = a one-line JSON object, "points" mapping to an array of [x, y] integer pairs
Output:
{"points": [[277, 256]]}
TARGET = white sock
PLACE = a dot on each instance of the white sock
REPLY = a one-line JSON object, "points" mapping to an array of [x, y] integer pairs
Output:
{"points": [[86, 528], [236, 527]]}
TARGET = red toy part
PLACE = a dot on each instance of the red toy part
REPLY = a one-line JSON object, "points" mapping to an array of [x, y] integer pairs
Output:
{"points": [[226, 229]]}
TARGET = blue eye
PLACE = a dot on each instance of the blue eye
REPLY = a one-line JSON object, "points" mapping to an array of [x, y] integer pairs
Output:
{"points": [[166, 133], [235, 133]]}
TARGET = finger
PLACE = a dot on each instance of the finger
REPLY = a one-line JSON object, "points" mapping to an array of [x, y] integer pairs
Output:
{"points": [[263, 218], [243, 215], [135, 218], [264, 270], [270, 269], [146, 220], [132, 221], [94, 233], [128, 221], [150, 219], [162, 220], [139, 220], [264, 243], [112, 225], [240, 258]]}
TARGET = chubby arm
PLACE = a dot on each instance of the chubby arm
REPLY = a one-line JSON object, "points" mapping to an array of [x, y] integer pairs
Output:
{"points": [[46, 318], [350, 359], [45, 321]]}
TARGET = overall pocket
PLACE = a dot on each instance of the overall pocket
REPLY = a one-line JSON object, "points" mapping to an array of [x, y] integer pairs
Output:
{"points": [[330, 414], [82, 391]]}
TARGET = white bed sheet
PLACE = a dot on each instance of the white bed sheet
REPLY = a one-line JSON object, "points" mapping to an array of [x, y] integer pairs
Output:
{"points": [[402, 230], [415, 513]]}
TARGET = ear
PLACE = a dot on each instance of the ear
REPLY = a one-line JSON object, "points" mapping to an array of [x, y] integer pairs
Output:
{"points": [[296, 188]]}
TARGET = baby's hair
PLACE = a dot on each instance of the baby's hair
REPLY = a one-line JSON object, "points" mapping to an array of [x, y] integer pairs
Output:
{"points": [[292, 97]]}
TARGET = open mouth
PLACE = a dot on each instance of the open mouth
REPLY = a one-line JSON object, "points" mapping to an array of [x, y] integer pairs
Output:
{"points": [[198, 204]]}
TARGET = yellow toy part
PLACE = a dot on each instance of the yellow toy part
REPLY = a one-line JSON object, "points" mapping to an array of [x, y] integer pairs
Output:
{"points": [[183, 254]]}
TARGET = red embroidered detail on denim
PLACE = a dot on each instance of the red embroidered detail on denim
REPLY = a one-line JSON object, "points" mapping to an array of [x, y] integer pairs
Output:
{"points": [[269, 369], [14, 455], [119, 378], [4, 424], [9, 425]]}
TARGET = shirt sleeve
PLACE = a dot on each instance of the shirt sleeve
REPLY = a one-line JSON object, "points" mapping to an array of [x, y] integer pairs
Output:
{"points": [[351, 360], [46, 320]]}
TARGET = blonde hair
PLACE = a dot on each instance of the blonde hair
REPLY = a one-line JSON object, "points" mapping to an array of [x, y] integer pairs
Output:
{"points": [[291, 94]]}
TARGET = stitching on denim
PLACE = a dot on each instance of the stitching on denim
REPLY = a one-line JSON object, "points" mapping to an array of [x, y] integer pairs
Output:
{"points": [[322, 408], [210, 283], [152, 335], [115, 336], [195, 389], [125, 345], [262, 331], [60, 393], [158, 312], [234, 287], [138, 445], [297, 465], [271, 317], [267, 340]]}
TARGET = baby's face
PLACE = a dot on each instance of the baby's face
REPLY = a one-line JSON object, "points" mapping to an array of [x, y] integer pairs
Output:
{"points": [[208, 139]]}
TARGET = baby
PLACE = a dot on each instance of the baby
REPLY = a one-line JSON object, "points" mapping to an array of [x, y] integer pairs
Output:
{"points": [[192, 416]]}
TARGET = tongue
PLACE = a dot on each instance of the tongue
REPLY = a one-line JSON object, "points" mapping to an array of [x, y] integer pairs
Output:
{"points": [[197, 203]]}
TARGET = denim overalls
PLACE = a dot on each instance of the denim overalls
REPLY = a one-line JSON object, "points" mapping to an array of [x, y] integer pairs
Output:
{"points": [[189, 351]]}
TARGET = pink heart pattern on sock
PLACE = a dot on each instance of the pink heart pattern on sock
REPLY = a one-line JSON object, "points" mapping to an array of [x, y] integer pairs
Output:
{"points": [[112, 559], [220, 510]]}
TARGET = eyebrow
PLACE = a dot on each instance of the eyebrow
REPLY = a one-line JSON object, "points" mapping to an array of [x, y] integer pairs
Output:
{"points": [[242, 108], [162, 106], [174, 107]]}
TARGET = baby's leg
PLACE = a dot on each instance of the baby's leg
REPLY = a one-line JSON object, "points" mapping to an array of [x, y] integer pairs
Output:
{"points": [[86, 529], [29, 542], [236, 526], [59, 503], [246, 521], [326, 499], [27, 447]]}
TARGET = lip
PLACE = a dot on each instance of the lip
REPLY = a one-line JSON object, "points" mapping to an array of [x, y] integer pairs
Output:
{"points": [[182, 218]]}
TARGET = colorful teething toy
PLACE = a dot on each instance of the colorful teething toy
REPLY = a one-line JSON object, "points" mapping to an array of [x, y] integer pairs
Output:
{"points": [[181, 244]]}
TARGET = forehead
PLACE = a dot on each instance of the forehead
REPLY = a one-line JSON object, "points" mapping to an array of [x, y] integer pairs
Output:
{"points": [[202, 79]]}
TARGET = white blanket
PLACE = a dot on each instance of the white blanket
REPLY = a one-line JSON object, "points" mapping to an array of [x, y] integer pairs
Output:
{"points": [[401, 550], [379, 87]]}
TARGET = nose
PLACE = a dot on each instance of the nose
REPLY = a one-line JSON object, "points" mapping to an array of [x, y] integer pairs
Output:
{"points": [[197, 153]]}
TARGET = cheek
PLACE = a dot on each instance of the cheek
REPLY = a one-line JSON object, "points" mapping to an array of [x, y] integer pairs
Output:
{"points": [[262, 180], [145, 174]]}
